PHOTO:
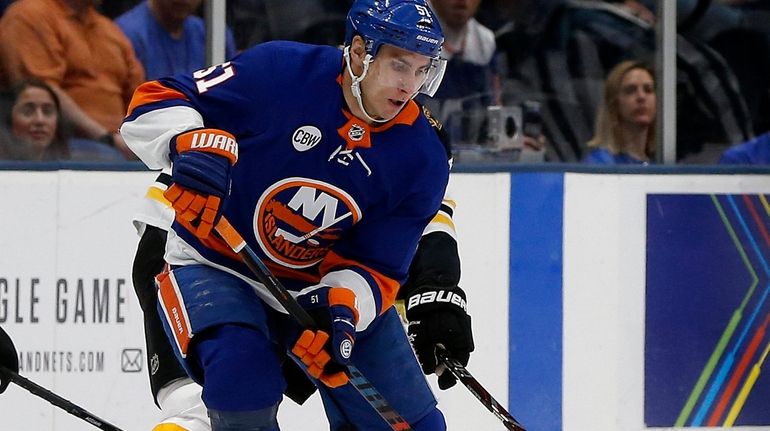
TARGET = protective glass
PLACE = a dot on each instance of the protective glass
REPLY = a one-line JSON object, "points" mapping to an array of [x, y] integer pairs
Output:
{"points": [[396, 73]]}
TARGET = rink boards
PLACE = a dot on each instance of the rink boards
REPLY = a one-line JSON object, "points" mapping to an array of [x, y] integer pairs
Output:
{"points": [[599, 301]]}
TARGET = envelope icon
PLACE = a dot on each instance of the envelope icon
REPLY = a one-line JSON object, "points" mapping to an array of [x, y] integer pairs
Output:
{"points": [[131, 360]]}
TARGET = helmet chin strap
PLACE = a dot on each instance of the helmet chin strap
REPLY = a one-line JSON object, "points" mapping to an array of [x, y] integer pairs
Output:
{"points": [[355, 85]]}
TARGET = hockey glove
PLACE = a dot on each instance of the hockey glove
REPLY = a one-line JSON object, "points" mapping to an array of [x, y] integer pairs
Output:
{"points": [[202, 161], [438, 318], [325, 351]]}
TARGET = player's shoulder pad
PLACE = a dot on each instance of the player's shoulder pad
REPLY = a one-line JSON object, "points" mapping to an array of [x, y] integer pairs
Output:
{"points": [[443, 136]]}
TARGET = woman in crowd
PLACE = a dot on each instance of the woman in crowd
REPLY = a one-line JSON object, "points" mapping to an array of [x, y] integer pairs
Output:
{"points": [[32, 119], [33, 128], [625, 122]]}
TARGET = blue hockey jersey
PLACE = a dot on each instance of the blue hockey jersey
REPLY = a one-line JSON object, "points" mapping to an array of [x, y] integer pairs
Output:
{"points": [[323, 197]]}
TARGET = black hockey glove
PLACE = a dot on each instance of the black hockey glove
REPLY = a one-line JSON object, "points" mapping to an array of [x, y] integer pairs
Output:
{"points": [[438, 316]]}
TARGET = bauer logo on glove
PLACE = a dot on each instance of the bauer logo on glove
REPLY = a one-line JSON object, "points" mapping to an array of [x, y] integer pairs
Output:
{"points": [[437, 296], [438, 318]]}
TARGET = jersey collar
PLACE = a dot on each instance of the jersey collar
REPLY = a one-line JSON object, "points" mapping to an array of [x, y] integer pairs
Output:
{"points": [[407, 116]]}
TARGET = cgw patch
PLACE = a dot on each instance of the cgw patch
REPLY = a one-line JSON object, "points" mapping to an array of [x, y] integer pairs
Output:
{"points": [[298, 219]]}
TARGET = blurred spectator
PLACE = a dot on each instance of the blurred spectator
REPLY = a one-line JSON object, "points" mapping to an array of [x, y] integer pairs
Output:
{"points": [[625, 122], [114, 8], [753, 152], [471, 80], [582, 40], [249, 21], [468, 100], [515, 24], [83, 55], [167, 37], [32, 114], [319, 22], [739, 30], [34, 129]]}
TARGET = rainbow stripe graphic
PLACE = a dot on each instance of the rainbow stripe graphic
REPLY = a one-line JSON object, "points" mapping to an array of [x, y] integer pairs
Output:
{"points": [[708, 283]]}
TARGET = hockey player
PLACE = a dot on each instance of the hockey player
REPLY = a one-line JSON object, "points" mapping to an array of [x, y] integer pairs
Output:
{"points": [[435, 268], [176, 394], [326, 166]]}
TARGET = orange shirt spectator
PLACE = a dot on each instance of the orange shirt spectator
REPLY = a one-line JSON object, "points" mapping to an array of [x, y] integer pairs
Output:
{"points": [[81, 53]]}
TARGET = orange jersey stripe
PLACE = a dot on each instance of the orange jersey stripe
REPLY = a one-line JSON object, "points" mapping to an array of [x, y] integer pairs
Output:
{"points": [[152, 91], [341, 296], [388, 286], [407, 115]]}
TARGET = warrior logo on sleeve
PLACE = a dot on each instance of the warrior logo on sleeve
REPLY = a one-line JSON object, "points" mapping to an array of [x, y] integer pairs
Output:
{"points": [[297, 220]]}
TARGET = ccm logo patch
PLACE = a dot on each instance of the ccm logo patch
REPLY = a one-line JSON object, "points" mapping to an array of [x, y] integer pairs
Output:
{"points": [[305, 138], [346, 348], [436, 296]]}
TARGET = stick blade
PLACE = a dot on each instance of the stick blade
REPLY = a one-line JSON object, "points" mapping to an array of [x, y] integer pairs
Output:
{"points": [[9, 359]]}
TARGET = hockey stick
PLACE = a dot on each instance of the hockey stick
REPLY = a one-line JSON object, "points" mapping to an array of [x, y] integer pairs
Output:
{"points": [[368, 392], [9, 365], [463, 375]]}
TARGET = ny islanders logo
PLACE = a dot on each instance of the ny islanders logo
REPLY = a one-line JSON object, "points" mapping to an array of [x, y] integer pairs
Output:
{"points": [[297, 220]]}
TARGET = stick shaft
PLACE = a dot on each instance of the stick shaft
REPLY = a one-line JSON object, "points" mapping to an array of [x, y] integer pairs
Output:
{"points": [[58, 401], [362, 385], [473, 385]]}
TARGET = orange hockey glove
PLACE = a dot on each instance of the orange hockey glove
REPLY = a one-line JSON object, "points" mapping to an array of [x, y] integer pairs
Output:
{"points": [[202, 161], [309, 348], [334, 310]]}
